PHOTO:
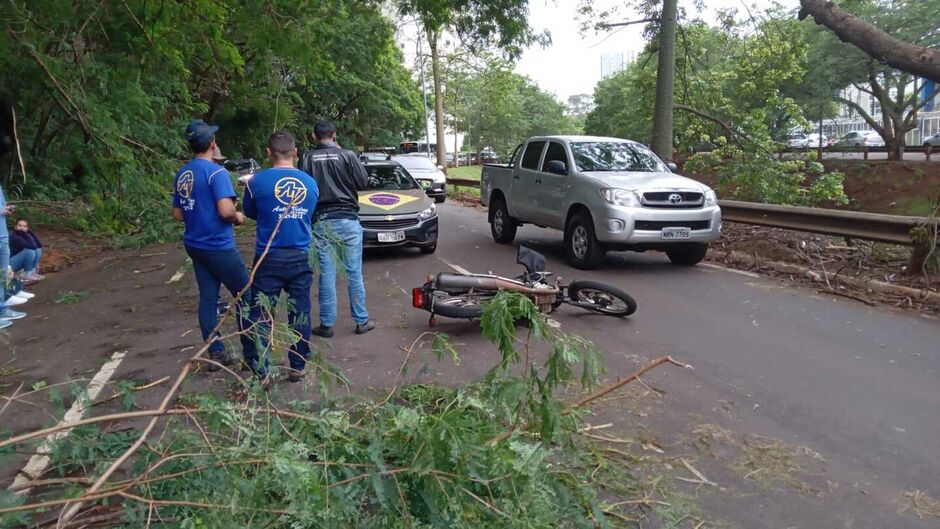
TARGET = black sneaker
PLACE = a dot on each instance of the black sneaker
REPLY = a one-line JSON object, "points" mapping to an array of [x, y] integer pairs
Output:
{"points": [[323, 331], [362, 328], [225, 359], [295, 376]]}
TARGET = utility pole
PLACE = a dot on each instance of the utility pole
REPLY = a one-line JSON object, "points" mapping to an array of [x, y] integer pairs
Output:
{"points": [[665, 83], [424, 94]]}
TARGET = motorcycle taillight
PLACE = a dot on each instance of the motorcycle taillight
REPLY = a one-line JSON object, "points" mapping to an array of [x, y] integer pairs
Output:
{"points": [[417, 298]]}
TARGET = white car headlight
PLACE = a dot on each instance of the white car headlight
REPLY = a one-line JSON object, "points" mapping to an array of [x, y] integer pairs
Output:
{"points": [[621, 197], [711, 199], [427, 213]]}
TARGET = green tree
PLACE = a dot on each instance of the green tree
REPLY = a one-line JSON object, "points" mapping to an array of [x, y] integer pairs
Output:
{"points": [[103, 91], [480, 25], [895, 91]]}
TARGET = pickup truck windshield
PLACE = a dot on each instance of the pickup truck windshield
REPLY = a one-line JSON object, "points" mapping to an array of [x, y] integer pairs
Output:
{"points": [[390, 178], [611, 156]]}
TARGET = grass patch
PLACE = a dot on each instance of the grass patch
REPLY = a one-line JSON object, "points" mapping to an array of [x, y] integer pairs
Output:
{"points": [[469, 172], [71, 297]]}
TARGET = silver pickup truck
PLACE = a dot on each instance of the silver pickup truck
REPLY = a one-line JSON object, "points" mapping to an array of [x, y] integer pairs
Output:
{"points": [[606, 194]]}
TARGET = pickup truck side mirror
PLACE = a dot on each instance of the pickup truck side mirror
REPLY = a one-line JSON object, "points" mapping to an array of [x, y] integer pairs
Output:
{"points": [[557, 167], [672, 166]]}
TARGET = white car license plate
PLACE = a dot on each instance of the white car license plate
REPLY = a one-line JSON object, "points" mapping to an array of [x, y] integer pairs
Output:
{"points": [[669, 234], [391, 236]]}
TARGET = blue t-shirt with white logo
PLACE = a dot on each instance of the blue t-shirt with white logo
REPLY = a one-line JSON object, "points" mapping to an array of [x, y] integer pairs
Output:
{"points": [[197, 188], [287, 192]]}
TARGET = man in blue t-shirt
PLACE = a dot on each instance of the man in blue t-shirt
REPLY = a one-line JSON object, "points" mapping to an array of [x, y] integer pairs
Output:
{"points": [[204, 200], [282, 199]]}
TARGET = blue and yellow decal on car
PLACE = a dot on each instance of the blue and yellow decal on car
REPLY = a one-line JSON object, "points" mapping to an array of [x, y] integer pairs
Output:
{"points": [[385, 200]]}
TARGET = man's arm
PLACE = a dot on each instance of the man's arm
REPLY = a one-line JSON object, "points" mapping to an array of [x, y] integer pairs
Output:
{"points": [[177, 213], [248, 203], [226, 209], [360, 176]]}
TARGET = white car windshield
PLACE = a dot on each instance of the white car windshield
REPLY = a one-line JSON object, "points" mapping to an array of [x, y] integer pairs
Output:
{"points": [[615, 156], [416, 163]]}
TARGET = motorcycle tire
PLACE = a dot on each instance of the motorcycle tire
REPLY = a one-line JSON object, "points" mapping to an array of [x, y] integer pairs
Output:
{"points": [[449, 308], [583, 294]]}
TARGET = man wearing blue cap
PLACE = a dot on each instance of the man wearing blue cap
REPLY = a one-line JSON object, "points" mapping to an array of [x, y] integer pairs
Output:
{"points": [[204, 200]]}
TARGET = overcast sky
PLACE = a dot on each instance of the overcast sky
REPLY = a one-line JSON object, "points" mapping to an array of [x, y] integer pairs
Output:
{"points": [[572, 64]]}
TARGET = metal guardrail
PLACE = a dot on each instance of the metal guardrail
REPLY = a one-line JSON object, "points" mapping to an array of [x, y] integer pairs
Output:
{"points": [[858, 225], [868, 226], [463, 182]]}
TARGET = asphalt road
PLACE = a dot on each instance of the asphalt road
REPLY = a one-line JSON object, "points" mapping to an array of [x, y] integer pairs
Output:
{"points": [[858, 385]]}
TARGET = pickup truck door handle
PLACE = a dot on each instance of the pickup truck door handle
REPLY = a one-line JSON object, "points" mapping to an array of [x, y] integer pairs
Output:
{"points": [[538, 180], [515, 177]]}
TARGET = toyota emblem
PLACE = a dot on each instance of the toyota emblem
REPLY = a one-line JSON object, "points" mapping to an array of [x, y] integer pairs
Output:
{"points": [[675, 198]]}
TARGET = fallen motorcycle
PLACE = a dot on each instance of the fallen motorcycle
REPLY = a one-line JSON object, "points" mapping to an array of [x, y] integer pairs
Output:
{"points": [[462, 296]]}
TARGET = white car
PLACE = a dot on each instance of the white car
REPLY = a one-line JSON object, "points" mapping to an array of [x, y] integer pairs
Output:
{"points": [[430, 176], [932, 141], [802, 140], [858, 139]]}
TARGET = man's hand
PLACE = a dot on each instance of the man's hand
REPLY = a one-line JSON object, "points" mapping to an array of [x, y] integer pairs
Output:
{"points": [[8, 209], [239, 218]]}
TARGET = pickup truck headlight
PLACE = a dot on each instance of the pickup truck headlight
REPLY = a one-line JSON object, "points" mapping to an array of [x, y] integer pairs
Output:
{"points": [[427, 213], [711, 199], [621, 197]]}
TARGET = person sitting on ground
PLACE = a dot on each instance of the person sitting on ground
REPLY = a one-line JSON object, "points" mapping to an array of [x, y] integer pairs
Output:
{"points": [[25, 252]]}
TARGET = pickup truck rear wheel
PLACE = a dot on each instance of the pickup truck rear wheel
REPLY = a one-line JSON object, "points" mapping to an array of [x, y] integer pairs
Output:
{"points": [[583, 249], [502, 226], [687, 255]]}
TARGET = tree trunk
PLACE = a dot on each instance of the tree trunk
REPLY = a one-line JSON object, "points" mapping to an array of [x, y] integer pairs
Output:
{"points": [[438, 100], [665, 83], [922, 62]]}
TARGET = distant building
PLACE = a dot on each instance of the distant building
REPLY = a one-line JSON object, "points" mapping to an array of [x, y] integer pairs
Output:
{"points": [[849, 119], [611, 64]]}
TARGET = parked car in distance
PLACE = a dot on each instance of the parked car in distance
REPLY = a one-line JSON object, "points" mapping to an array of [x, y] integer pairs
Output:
{"points": [[430, 176], [395, 211], [605, 194], [932, 141], [858, 139], [803, 140]]}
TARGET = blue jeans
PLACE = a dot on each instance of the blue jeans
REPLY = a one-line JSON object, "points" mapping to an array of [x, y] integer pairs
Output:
{"points": [[4, 262], [27, 260], [282, 270], [214, 268], [340, 240]]}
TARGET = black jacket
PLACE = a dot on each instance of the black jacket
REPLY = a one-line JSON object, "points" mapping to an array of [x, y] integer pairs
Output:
{"points": [[339, 176], [20, 240]]}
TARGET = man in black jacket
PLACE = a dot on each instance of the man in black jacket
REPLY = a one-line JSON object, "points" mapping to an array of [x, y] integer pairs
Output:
{"points": [[337, 234]]}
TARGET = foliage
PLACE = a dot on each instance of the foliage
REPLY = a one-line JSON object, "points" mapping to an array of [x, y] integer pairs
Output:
{"points": [[837, 65], [496, 453], [502, 108], [103, 91], [730, 99]]}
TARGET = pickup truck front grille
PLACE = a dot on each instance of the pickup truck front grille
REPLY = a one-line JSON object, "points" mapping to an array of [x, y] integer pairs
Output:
{"points": [[668, 199], [657, 225], [382, 224]]}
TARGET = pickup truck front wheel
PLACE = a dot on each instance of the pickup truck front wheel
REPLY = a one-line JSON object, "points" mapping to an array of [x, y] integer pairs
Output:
{"points": [[583, 249], [687, 255], [502, 226]]}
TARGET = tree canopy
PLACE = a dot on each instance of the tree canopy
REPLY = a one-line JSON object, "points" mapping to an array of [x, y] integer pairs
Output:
{"points": [[104, 90]]}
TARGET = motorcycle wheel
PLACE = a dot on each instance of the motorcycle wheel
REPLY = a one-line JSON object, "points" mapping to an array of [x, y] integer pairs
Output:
{"points": [[600, 298], [461, 306]]}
